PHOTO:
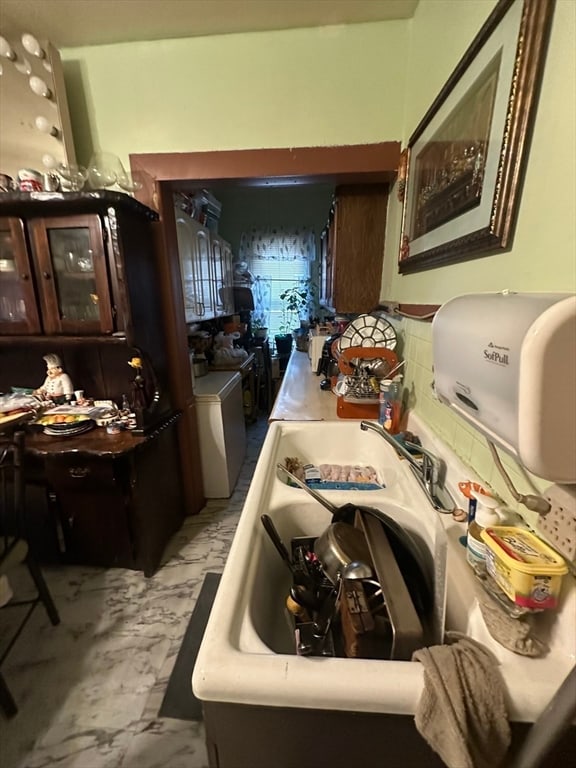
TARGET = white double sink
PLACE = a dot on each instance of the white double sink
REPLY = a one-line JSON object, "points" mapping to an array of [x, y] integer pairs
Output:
{"points": [[247, 655]]}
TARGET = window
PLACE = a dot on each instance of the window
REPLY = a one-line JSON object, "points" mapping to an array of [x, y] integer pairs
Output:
{"points": [[274, 277], [278, 259]]}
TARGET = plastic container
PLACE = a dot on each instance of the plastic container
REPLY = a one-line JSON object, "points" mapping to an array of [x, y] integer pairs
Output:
{"points": [[488, 513], [389, 404], [527, 570]]}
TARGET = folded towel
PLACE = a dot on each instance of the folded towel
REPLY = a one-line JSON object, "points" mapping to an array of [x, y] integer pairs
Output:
{"points": [[462, 711]]}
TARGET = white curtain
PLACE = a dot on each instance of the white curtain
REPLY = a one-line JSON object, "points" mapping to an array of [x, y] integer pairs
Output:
{"points": [[278, 244], [277, 258]]}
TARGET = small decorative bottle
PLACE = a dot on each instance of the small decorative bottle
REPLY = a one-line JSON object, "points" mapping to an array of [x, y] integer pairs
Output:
{"points": [[125, 406], [488, 512]]}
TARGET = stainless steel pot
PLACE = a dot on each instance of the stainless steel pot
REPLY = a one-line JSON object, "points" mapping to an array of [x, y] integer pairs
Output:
{"points": [[338, 546]]}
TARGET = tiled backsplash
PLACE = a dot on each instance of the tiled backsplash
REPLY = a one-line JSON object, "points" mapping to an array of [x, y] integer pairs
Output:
{"points": [[415, 346]]}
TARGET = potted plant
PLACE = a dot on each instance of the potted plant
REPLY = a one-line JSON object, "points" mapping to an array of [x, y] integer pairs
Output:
{"points": [[259, 328], [297, 302]]}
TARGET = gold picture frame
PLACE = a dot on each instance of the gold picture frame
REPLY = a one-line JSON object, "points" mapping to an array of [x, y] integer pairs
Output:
{"points": [[466, 158]]}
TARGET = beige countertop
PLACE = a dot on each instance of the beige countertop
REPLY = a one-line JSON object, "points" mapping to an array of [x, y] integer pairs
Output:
{"points": [[300, 397]]}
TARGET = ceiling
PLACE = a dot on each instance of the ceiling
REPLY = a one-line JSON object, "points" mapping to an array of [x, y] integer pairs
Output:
{"points": [[70, 23]]}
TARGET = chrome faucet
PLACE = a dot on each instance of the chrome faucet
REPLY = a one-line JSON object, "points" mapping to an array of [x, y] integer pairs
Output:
{"points": [[398, 447], [429, 470]]}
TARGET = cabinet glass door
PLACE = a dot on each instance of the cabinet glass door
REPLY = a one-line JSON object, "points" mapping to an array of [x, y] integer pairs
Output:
{"points": [[194, 256], [218, 267], [222, 276], [72, 272], [18, 310], [227, 294], [205, 272], [188, 267]]}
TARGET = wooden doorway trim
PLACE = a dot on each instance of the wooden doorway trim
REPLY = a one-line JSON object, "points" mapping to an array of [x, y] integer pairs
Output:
{"points": [[353, 164]]}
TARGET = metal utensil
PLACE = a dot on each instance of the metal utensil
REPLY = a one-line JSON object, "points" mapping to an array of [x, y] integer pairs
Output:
{"points": [[327, 614], [357, 570], [315, 495], [305, 597], [279, 544]]}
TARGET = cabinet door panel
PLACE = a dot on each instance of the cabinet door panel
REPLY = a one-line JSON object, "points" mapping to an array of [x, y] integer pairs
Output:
{"points": [[93, 508], [227, 271], [222, 272], [73, 275], [205, 272], [195, 257], [188, 268], [326, 265], [18, 309], [357, 247]]}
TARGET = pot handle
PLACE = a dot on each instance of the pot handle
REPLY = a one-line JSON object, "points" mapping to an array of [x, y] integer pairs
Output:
{"points": [[276, 540]]}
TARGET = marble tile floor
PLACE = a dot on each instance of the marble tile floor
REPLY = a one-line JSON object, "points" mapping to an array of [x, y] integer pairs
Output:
{"points": [[89, 690]]}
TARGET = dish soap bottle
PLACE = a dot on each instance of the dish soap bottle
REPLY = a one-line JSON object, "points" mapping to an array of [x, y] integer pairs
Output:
{"points": [[389, 404], [488, 512]]}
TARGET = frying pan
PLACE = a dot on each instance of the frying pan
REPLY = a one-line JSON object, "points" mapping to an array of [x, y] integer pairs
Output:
{"points": [[410, 553]]}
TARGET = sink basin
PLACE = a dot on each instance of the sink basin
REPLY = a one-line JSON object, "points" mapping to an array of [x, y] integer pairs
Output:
{"points": [[248, 652], [256, 691]]}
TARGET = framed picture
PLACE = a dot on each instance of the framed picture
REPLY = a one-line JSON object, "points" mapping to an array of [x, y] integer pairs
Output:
{"points": [[466, 158]]}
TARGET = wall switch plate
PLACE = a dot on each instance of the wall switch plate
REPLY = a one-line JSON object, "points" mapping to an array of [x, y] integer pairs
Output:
{"points": [[559, 524]]}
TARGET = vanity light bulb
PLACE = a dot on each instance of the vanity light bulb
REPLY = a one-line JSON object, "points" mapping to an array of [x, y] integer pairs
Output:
{"points": [[39, 87], [44, 125], [49, 162], [24, 67], [32, 45], [6, 49]]}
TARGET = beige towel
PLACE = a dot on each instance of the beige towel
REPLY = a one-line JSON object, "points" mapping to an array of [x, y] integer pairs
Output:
{"points": [[462, 712]]}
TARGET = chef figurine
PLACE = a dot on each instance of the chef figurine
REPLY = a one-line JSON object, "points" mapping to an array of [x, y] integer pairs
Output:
{"points": [[57, 385]]}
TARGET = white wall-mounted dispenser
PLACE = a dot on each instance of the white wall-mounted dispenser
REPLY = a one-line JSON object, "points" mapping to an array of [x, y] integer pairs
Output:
{"points": [[506, 363]]}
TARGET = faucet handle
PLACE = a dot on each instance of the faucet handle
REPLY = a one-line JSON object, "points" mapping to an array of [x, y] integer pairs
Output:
{"points": [[429, 469]]}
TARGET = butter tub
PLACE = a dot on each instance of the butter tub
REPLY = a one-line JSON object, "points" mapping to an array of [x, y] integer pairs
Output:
{"points": [[523, 566]]}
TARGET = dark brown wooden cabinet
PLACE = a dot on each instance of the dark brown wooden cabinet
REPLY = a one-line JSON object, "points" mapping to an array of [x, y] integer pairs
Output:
{"points": [[112, 501], [79, 277], [352, 249], [78, 264], [82, 276]]}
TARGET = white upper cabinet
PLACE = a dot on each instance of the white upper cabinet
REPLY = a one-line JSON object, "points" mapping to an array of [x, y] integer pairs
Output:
{"points": [[206, 268]]}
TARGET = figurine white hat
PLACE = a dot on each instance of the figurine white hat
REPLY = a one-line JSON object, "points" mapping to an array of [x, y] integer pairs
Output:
{"points": [[52, 361]]}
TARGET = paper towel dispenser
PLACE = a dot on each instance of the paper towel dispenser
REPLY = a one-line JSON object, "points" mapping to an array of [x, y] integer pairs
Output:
{"points": [[506, 363]]}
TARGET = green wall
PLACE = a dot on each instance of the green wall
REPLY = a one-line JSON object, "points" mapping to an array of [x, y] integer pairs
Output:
{"points": [[304, 87]]}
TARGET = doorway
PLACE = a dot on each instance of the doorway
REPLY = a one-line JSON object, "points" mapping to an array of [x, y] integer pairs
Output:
{"points": [[165, 173]]}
